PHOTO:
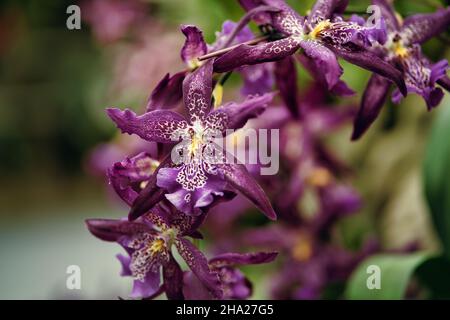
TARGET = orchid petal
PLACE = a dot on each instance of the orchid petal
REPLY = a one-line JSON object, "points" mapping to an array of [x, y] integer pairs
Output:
{"points": [[194, 46], [373, 100], [232, 259], [421, 27], [125, 261], [444, 82], [369, 61], [388, 13], [193, 288], [286, 79], [148, 287], [158, 126], [250, 55], [168, 92], [197, 92], [240, 179], [325, 9], [173, 279], [260, 18], [150, 195], [324, 60], [199, 266], [339, 89], [112, 230], [127, 176], [235, 115]]}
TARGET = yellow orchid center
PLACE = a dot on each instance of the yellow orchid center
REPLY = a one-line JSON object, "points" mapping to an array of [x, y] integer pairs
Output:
{"points": [[320, 177], [196, 143], [401, 51], [157, 246], [302, 250], [321, 26]]}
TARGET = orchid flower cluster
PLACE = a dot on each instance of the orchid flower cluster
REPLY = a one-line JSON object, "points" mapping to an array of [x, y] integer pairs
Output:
{"points": [[170, 200]]}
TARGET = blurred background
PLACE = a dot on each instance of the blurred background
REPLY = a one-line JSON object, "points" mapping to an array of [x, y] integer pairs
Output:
{"points": [[54, 86]]}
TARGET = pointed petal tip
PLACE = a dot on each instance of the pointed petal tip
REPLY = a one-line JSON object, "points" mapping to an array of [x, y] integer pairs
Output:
{"points": [[120, 117], [271, 215], [356, 135]]}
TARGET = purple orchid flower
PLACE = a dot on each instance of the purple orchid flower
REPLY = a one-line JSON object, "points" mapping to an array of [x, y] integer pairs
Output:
{"points": [[194, 182], [168, 93], [322, 37], [130, 176], [403, 51], [148, 242], [234, 283]]}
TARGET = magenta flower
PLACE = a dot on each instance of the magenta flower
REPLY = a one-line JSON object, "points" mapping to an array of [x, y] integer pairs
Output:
{"points": [[322, 37], [403, 51], [194, 182]]}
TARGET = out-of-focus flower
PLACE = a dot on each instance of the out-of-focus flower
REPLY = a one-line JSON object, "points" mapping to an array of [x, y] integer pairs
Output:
{"points": [[139, 65], [195, 183], [310, 264], [322, 37], [403, 50], [234, 283], [106, 154], [110, 20]]}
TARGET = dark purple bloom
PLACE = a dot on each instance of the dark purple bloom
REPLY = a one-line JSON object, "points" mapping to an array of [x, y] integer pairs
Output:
{"points": [[130, 176], [234, 283], [403, 50], [168, 93], [195, 181], [322, 37], [148, 242]]}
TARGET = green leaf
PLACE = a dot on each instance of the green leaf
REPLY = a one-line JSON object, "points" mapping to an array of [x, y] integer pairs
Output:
{"points": [[433, 275], [437, 177], [395, 272]]}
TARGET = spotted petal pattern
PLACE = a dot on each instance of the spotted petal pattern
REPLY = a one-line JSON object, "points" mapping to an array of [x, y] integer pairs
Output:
{"points": [[235, 115], [324, 9], [250, 55], [199, 266], [422, 27], [197, 90], [369, 61], [157, 126]]}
